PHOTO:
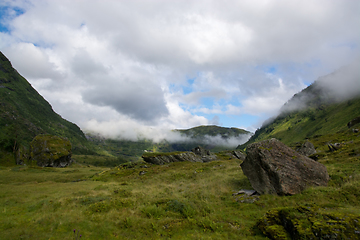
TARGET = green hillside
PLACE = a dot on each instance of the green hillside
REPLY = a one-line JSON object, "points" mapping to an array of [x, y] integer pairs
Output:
{"points": [[24, 113], [212, 130], [211, 137], [318, 114]]}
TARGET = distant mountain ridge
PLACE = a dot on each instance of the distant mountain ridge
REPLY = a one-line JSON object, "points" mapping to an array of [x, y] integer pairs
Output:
{"points": [[210, 137], [24, 113], [325, 107], [212, 130]]}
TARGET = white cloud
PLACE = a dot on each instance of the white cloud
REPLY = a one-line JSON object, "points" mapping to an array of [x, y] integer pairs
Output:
{"points": [[119, 65], [33, 62]]}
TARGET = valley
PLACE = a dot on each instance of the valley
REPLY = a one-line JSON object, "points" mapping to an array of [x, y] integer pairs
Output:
{"points": [[109, 192], [180, 200]]}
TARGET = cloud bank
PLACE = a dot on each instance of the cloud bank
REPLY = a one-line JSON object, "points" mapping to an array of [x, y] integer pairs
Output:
{"points": [[123, 67]]}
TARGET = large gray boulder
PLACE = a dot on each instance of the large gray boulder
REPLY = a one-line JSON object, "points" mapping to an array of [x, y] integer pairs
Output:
{"points": [[274, 168]]}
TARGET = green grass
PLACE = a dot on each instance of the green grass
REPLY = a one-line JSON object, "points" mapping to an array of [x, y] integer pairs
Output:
{"points": [[99, 161], [181, 200], [157, 154]]}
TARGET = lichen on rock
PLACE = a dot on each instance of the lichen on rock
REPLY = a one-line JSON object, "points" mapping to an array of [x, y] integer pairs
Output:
{"points": [[274, 168], [50, 151]]}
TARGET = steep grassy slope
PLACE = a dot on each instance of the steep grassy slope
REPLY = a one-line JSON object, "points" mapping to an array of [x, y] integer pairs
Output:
{"points": [[24, 113], [316, 110], [297, 126]]}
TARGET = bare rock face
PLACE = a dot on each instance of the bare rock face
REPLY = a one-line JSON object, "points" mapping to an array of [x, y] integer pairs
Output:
{"points": [[50, 151], [274, 168]]}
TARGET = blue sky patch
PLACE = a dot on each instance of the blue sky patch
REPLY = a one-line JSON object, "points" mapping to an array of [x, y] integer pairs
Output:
{"points": [[188, 88], [272, 70], [8, 13]]}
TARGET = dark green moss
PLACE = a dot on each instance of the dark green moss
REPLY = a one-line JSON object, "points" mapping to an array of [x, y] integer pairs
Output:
{"points": [[309, 222]]}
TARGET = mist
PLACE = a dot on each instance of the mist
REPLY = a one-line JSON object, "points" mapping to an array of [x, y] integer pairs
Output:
{"points": [[344, 83], [340, 85], [135, 132], [231, 142]]}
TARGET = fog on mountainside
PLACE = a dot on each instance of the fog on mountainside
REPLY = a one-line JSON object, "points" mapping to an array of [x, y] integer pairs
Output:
{"points": [[230, 142], [340, 85], [326, 106], [176, 136]]}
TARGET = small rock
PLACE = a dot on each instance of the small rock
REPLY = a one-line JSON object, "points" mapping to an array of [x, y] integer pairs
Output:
{"points": [[247, 192], [239, 155], [334, 147], [142, 173]]}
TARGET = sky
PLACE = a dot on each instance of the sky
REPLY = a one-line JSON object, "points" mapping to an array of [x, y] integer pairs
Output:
{"points": [[123, 68]]}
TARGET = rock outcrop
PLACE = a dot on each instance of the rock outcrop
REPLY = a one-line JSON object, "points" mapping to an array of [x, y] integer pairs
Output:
{"points": [[50, 151], [274, 168], [204, 154], [239, 155], [197, 154], [353, 122], [306, 149], [334, 147]]}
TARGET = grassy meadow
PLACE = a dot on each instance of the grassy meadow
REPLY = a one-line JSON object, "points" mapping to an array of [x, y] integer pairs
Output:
{"points": [[180, 200]]}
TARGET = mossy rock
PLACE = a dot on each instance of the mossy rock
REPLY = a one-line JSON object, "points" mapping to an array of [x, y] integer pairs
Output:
{"points": [[50, 151], [306, 222]]}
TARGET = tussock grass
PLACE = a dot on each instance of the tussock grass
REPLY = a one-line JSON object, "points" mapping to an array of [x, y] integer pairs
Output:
{"points": [[181, 200]]}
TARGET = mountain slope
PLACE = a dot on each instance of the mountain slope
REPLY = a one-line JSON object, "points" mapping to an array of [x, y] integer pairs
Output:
{"points": [[212, 130], [317, 110], [24, 113]]}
